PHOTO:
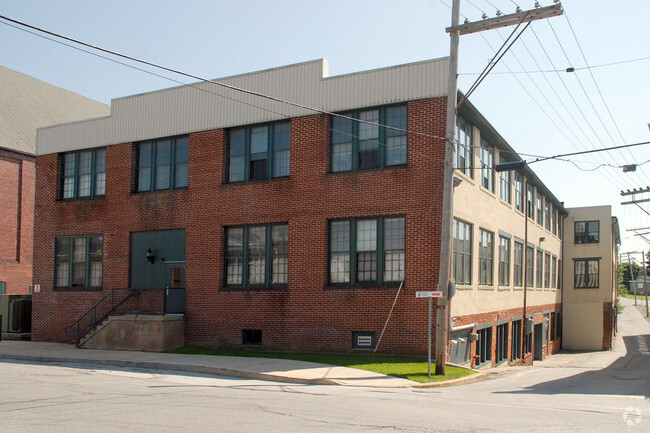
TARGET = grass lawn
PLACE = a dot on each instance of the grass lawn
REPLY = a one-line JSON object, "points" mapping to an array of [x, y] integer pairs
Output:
{"points": [[408, 368]]}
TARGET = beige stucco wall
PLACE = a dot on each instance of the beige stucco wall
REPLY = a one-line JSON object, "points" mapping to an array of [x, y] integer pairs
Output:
{"points": [[484, 209], [582, 326]]}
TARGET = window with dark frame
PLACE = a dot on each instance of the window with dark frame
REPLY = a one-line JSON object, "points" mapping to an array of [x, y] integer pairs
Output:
{"points": [[530, 201], [504, 184], [547, 215], [487, 165], [485, 257], [554, 273], [502, 344], [79, 262], [530, 266], [463, 148], [553, 326], [519, 264], [586, 273], [528, 342], [83, 174], [515, 339], [162, 164], [587, 232], [259, 152], [367, 250], [547, 270], [540, 271], [519, 192], [366, 143], [504, 261], [484, 346], [256, 255], [538, 206], [462, 250]]}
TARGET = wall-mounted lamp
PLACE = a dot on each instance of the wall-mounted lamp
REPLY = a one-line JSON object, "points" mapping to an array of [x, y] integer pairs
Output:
{"points": [[150, 257], [542, 239]]}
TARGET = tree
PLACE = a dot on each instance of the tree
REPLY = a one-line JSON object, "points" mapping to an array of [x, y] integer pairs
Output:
{"points": [[624, 274]]}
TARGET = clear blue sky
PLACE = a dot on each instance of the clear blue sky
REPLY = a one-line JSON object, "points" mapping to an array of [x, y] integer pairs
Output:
{"points": [[214, 39]]}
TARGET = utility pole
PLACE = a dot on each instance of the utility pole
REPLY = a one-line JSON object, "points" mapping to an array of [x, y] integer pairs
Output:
{"points": [[629, 262], [442, 317]]}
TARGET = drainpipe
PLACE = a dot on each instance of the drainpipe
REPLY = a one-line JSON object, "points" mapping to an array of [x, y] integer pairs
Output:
{"points": [[523, 321], [562, 289]]}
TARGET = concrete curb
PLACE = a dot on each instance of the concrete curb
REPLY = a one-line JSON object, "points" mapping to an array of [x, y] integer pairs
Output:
{"points": [[146, 365], [220, 371], [478, 377]]}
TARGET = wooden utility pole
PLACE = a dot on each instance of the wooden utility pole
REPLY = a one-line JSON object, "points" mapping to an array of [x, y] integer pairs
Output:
{"points": [[456, 29]]}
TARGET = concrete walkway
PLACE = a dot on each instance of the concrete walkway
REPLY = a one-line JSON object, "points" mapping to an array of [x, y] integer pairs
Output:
{"points": [[279, 370]]}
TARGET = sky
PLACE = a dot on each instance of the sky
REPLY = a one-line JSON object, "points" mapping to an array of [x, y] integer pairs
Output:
{"points": [[538, 111]]}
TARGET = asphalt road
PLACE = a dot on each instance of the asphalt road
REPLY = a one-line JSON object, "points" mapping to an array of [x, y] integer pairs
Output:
{"points": [[566, 393]]}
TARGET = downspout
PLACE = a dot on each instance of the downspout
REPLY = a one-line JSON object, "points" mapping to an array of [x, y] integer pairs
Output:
{"points": [[562, 239], [523, 321]]}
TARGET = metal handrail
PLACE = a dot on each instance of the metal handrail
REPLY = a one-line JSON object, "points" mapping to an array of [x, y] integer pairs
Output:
{"points": [[102, 309]]}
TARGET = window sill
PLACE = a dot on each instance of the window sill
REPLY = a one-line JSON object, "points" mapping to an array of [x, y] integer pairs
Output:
{"points": [[369, 170], [77, 289], [503, 288], [253, 288], [159, 191], [386, 286], [486, 288], [464, 176], [248, 182], [73, 200]]}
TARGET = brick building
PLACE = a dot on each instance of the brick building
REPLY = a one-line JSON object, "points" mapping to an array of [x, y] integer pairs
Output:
{"points": [[290, 227], [26, 104]]}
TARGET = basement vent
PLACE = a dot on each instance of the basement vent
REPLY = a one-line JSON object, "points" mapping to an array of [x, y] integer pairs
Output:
{"points": [[252, 337], [363, 340]]}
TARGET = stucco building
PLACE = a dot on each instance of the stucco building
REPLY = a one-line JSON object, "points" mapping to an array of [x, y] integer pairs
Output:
{"points": [[590, 278], [298, 228]]}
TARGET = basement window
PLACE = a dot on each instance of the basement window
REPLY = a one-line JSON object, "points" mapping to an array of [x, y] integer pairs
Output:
{"points": [[252, 337], [363, 340]]}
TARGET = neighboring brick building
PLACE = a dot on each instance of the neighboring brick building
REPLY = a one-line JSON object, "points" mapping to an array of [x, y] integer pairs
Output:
{"points": [[25, 105], [287, 227]]}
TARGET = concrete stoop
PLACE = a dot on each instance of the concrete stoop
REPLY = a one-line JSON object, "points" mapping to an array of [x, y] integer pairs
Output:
{"points": [[145, 333]]}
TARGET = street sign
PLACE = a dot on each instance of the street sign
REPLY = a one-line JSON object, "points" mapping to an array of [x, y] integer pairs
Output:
{"points": [[428, 294]]}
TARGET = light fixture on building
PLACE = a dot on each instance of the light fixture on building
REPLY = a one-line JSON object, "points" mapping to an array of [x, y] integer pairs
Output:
{"points": [[150, 257], [542, 239]]}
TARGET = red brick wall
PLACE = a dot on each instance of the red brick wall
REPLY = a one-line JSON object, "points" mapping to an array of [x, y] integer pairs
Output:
{"points": [[16, 225], [495, 316], [306, 314]]}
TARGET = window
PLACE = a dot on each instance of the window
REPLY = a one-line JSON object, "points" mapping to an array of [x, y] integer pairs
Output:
{"points": [[540, 212], [515, 352], [83, 174], [504, 184], [528, 340], [586, 273], [462, 252], [485, 257], [259, 152], [367, 250], [587, 232], [554, 220], [547, 215], [78, 262], [530, 199], [559, 274], [502, 343], [540, 263], [530, 266], [162, 164], [553, 326], [519, 264], [484, 346], [358, 145], [257, 255], [464, 151], [519, 192], [554, 273], [547, 270], [487, 165], [504, 261]]}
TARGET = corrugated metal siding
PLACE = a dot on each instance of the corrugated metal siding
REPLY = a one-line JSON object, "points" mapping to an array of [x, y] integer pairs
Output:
{"points": [[205, 106]]}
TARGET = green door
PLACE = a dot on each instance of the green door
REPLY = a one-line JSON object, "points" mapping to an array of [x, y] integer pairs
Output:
{"points": [[158, 262]]}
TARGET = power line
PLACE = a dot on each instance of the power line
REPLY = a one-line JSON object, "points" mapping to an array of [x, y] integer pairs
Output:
{"points": [[221, 84], [567, 70]]}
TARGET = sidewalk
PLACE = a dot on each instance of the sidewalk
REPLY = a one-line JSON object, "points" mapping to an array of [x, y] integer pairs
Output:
{"points": [[278, 370]]}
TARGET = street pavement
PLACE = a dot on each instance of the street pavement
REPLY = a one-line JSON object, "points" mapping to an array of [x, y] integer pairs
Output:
{"points": [[633, 337]]}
